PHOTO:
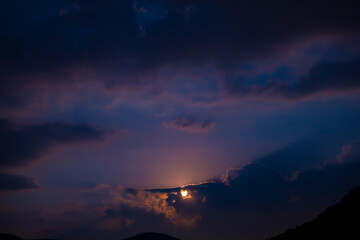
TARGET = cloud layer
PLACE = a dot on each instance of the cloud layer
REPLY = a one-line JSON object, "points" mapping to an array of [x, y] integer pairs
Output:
{"points": [[322, 78], [140, 65], [10, 182], [150, 37], [111, 211], [191, 126], [19, 146]]}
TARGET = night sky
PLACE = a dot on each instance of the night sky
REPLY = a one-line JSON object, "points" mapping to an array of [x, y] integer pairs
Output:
{"points": [[110, 110]]}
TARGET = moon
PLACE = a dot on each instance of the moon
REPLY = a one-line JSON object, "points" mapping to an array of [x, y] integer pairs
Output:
{"points": [[184, 193]]}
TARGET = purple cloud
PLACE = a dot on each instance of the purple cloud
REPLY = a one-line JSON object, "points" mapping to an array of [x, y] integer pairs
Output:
{"points": [[191, 126]]}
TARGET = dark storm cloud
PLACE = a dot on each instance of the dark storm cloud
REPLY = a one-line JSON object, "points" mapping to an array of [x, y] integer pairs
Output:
{"points": [[190, 125], [300, 156], [231, 31], [19, 146], [10, 182], [247, 204], [102, 40], [259, 189], [327, 77], [264, 187]]}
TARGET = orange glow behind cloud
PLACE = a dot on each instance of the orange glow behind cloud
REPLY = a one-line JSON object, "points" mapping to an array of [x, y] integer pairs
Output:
{"points": [[156, 202], [185, 194]]}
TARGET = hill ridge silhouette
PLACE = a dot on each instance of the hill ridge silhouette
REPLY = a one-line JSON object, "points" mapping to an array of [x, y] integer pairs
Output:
{"points": [[7, 236], [339, 221], [151, 236]]}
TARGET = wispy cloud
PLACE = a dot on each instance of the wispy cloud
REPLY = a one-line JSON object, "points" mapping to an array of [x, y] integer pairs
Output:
{"points": [[191, 126]]}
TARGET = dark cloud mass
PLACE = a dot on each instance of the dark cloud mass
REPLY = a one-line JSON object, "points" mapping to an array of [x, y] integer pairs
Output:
{"points": [[84, 40], [241, 118], [19, 146], [257, 188], [10, 182], [327, 77]]}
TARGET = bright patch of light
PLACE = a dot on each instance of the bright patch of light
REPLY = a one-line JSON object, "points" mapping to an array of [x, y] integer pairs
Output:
{"points": [[185, 194]]}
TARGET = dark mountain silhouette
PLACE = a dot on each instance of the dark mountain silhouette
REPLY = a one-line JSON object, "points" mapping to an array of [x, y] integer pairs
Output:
{"points": [[43, 239], [340, 221], [142, 236], [5, 236], [151, 236]]}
